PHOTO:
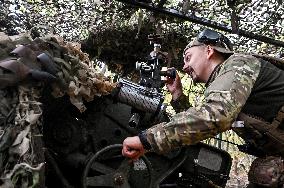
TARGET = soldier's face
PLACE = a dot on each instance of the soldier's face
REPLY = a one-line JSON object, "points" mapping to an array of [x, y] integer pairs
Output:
{"points": [[195, 63]]}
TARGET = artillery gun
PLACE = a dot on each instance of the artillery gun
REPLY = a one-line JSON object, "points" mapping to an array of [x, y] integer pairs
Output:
{"points": [[88, 145], [83, 149]]}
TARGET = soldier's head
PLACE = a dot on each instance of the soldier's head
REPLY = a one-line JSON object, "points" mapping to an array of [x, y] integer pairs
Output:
{"points": [[204, 53]]}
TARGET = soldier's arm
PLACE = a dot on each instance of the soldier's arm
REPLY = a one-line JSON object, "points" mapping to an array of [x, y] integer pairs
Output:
{"points": [[224, 99], [181, 103]]}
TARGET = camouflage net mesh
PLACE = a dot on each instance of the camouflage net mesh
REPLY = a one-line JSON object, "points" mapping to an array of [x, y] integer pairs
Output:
{"points": [[21, 147], [116, 33]]}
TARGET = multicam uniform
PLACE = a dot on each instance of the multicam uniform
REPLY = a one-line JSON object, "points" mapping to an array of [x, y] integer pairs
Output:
{"points": [[228, 88], [242, 83]]}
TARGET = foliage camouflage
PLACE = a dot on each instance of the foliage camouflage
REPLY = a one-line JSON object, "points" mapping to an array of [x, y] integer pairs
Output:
{"points": [[21, 147], [112, 28], [120, 30]]}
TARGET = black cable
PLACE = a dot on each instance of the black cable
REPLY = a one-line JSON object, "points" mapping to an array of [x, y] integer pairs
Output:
{"points": [[226, 141]]}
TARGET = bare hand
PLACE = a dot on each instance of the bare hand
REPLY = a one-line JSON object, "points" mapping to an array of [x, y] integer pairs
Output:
{"points": [[132, 148], [174, 86]]}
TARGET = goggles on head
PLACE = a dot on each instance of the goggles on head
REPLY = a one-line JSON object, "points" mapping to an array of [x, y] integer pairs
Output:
{"points": [[209, 36]]}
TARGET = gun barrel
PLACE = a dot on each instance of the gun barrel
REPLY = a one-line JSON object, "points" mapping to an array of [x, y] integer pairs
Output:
{"points": [[140, 97]]}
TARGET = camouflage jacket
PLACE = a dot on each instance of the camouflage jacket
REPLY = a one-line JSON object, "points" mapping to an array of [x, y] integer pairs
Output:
{"points": [[227, 91]]}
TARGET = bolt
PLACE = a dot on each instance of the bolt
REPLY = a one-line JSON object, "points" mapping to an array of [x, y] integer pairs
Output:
{"points": [[118, 180]]}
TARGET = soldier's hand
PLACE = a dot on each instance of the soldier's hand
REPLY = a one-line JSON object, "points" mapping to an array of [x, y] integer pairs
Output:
{"points": [[132, 148], [174, 86]]}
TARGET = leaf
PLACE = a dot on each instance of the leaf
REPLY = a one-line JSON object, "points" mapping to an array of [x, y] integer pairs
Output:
{"points": [[21, 136], [22, 148]]}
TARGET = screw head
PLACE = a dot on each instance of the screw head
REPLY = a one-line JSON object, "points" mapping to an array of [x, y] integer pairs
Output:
{"points": [[118, 179]]}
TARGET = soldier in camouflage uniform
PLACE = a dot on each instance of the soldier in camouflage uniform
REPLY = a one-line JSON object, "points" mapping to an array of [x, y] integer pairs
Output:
{"points": [[243, 93]]}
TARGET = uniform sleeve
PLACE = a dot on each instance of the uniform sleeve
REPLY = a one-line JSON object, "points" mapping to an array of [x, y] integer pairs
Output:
{"points": [[224, 98], [181, 103]]}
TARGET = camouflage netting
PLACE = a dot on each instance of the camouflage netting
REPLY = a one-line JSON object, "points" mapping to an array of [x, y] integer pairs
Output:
{"points": [[116, 33], [112, 32], [23, 74]]}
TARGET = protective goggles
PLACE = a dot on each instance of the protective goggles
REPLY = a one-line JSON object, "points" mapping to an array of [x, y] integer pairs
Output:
{"points": [[210, 37]]}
